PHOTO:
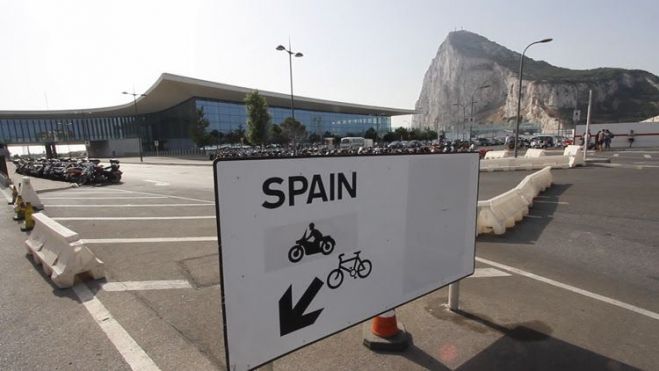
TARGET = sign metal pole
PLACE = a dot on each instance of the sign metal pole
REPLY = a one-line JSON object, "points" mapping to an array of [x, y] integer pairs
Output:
{"points": [[454, 296]]}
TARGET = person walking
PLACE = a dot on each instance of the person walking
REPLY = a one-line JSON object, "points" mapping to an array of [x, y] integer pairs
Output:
{"points": [[599, 141], [607, 138], [630, 138]]}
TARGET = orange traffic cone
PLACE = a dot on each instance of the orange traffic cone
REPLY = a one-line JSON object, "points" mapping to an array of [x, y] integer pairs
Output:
{"points": [[385, 333]]}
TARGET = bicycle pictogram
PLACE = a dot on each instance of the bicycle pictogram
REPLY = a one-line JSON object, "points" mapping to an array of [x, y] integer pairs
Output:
{"points": [[355, 266]]}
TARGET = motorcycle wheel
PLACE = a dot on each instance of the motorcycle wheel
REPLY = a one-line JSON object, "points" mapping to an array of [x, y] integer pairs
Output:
{"points": [[327, 246], [335, 278], [295, 254]]}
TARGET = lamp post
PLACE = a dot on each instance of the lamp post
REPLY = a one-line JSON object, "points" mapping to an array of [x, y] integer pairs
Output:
{"points": [[464, 116], [519, 90], [139, 134], [290, 69]]}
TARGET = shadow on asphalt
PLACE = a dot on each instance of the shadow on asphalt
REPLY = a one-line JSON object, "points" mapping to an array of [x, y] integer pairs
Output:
{"points": [[418, 356], [62, 293], [528, 230], [529, 346]]}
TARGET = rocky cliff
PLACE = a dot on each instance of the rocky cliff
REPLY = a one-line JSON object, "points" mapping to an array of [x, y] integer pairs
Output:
{"points": [[470, 68]]}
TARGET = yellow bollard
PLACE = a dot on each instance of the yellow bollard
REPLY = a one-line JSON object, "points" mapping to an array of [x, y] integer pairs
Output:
{"points": [[19, 208], [28, 224]]}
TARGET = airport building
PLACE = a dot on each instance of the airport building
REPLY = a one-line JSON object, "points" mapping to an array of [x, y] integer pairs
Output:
{"points": [[164, 115]]}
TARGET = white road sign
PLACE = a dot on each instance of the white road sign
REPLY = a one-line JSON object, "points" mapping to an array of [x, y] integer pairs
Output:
{"points": [[312, 246]]}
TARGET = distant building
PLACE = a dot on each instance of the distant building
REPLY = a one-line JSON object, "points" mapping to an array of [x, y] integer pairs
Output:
{"points": [[167, 111]]}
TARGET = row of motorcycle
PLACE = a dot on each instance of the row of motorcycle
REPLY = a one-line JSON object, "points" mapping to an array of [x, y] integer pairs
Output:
{"points": [[80, 171]]}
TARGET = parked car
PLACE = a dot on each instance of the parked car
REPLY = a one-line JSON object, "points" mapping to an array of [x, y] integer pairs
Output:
{"points": [[542, 141]]}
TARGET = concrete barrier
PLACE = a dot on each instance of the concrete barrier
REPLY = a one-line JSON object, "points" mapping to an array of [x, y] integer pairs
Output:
{"points": [[532, 160], [60, 252], [523, 163], [504, 210], [535, 153], [498, 154], [575, 155], [28, 193]]}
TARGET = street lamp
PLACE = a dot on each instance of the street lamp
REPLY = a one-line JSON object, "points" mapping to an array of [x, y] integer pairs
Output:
{"points": [[464, 117], [290, 68], [519, 90], [135, 95]]}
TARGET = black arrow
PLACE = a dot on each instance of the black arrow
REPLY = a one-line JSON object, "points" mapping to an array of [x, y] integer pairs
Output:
{"points": [[293, 318]]}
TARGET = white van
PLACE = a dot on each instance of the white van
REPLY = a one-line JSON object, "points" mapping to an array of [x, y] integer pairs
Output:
{"points": [[352, 143]]}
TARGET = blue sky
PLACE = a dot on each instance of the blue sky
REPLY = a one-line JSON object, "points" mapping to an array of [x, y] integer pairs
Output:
{"points": [[82, 54]]}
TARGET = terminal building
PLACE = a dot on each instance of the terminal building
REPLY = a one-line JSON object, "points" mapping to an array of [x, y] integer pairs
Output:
{"points": [[165, 113]]}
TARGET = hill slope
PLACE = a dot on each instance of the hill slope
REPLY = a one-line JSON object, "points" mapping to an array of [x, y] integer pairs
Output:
{"points": [[466, 61]]}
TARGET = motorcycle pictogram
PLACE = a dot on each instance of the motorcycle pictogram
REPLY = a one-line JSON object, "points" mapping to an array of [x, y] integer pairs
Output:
{"points": [[303, 246], [359, 267]]}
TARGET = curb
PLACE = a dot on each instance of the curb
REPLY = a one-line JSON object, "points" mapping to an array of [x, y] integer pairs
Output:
{"points": [[4, 193], [55, 189], [210, 163]]}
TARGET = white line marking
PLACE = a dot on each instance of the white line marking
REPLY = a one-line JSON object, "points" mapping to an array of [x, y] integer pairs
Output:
{"points": [[576, 290], [157, 182], [488, 272], [145, 285], [132, 205], [551, 202], [616, 155], [647, 156], [158, 194], [148, 240], [87, 192], [115, 218], [135, 356], [103, 198]]}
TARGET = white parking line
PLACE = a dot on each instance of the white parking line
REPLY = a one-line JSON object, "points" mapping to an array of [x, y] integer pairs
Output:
{"points": [[488, 272], [576, 290], [157, 182], [647, 156], [148, 240], [135, 356], [159, 194], [117, 218], [145, 285], [131, 205], [104, 198]]}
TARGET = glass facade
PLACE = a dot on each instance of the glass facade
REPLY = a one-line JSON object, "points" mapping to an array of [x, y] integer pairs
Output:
{"points": [[171, 127], [65, 129], [228, 116]]}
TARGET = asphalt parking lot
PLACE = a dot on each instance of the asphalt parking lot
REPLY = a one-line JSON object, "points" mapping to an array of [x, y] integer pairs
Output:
{"points": [[573, 286]]}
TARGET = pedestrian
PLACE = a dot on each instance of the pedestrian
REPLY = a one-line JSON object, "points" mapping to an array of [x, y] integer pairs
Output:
{"points": [[599, 140], [630, 138], [607, 138]]}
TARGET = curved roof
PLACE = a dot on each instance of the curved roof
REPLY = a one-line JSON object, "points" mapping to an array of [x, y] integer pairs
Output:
{"points": [[171, 90]]}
